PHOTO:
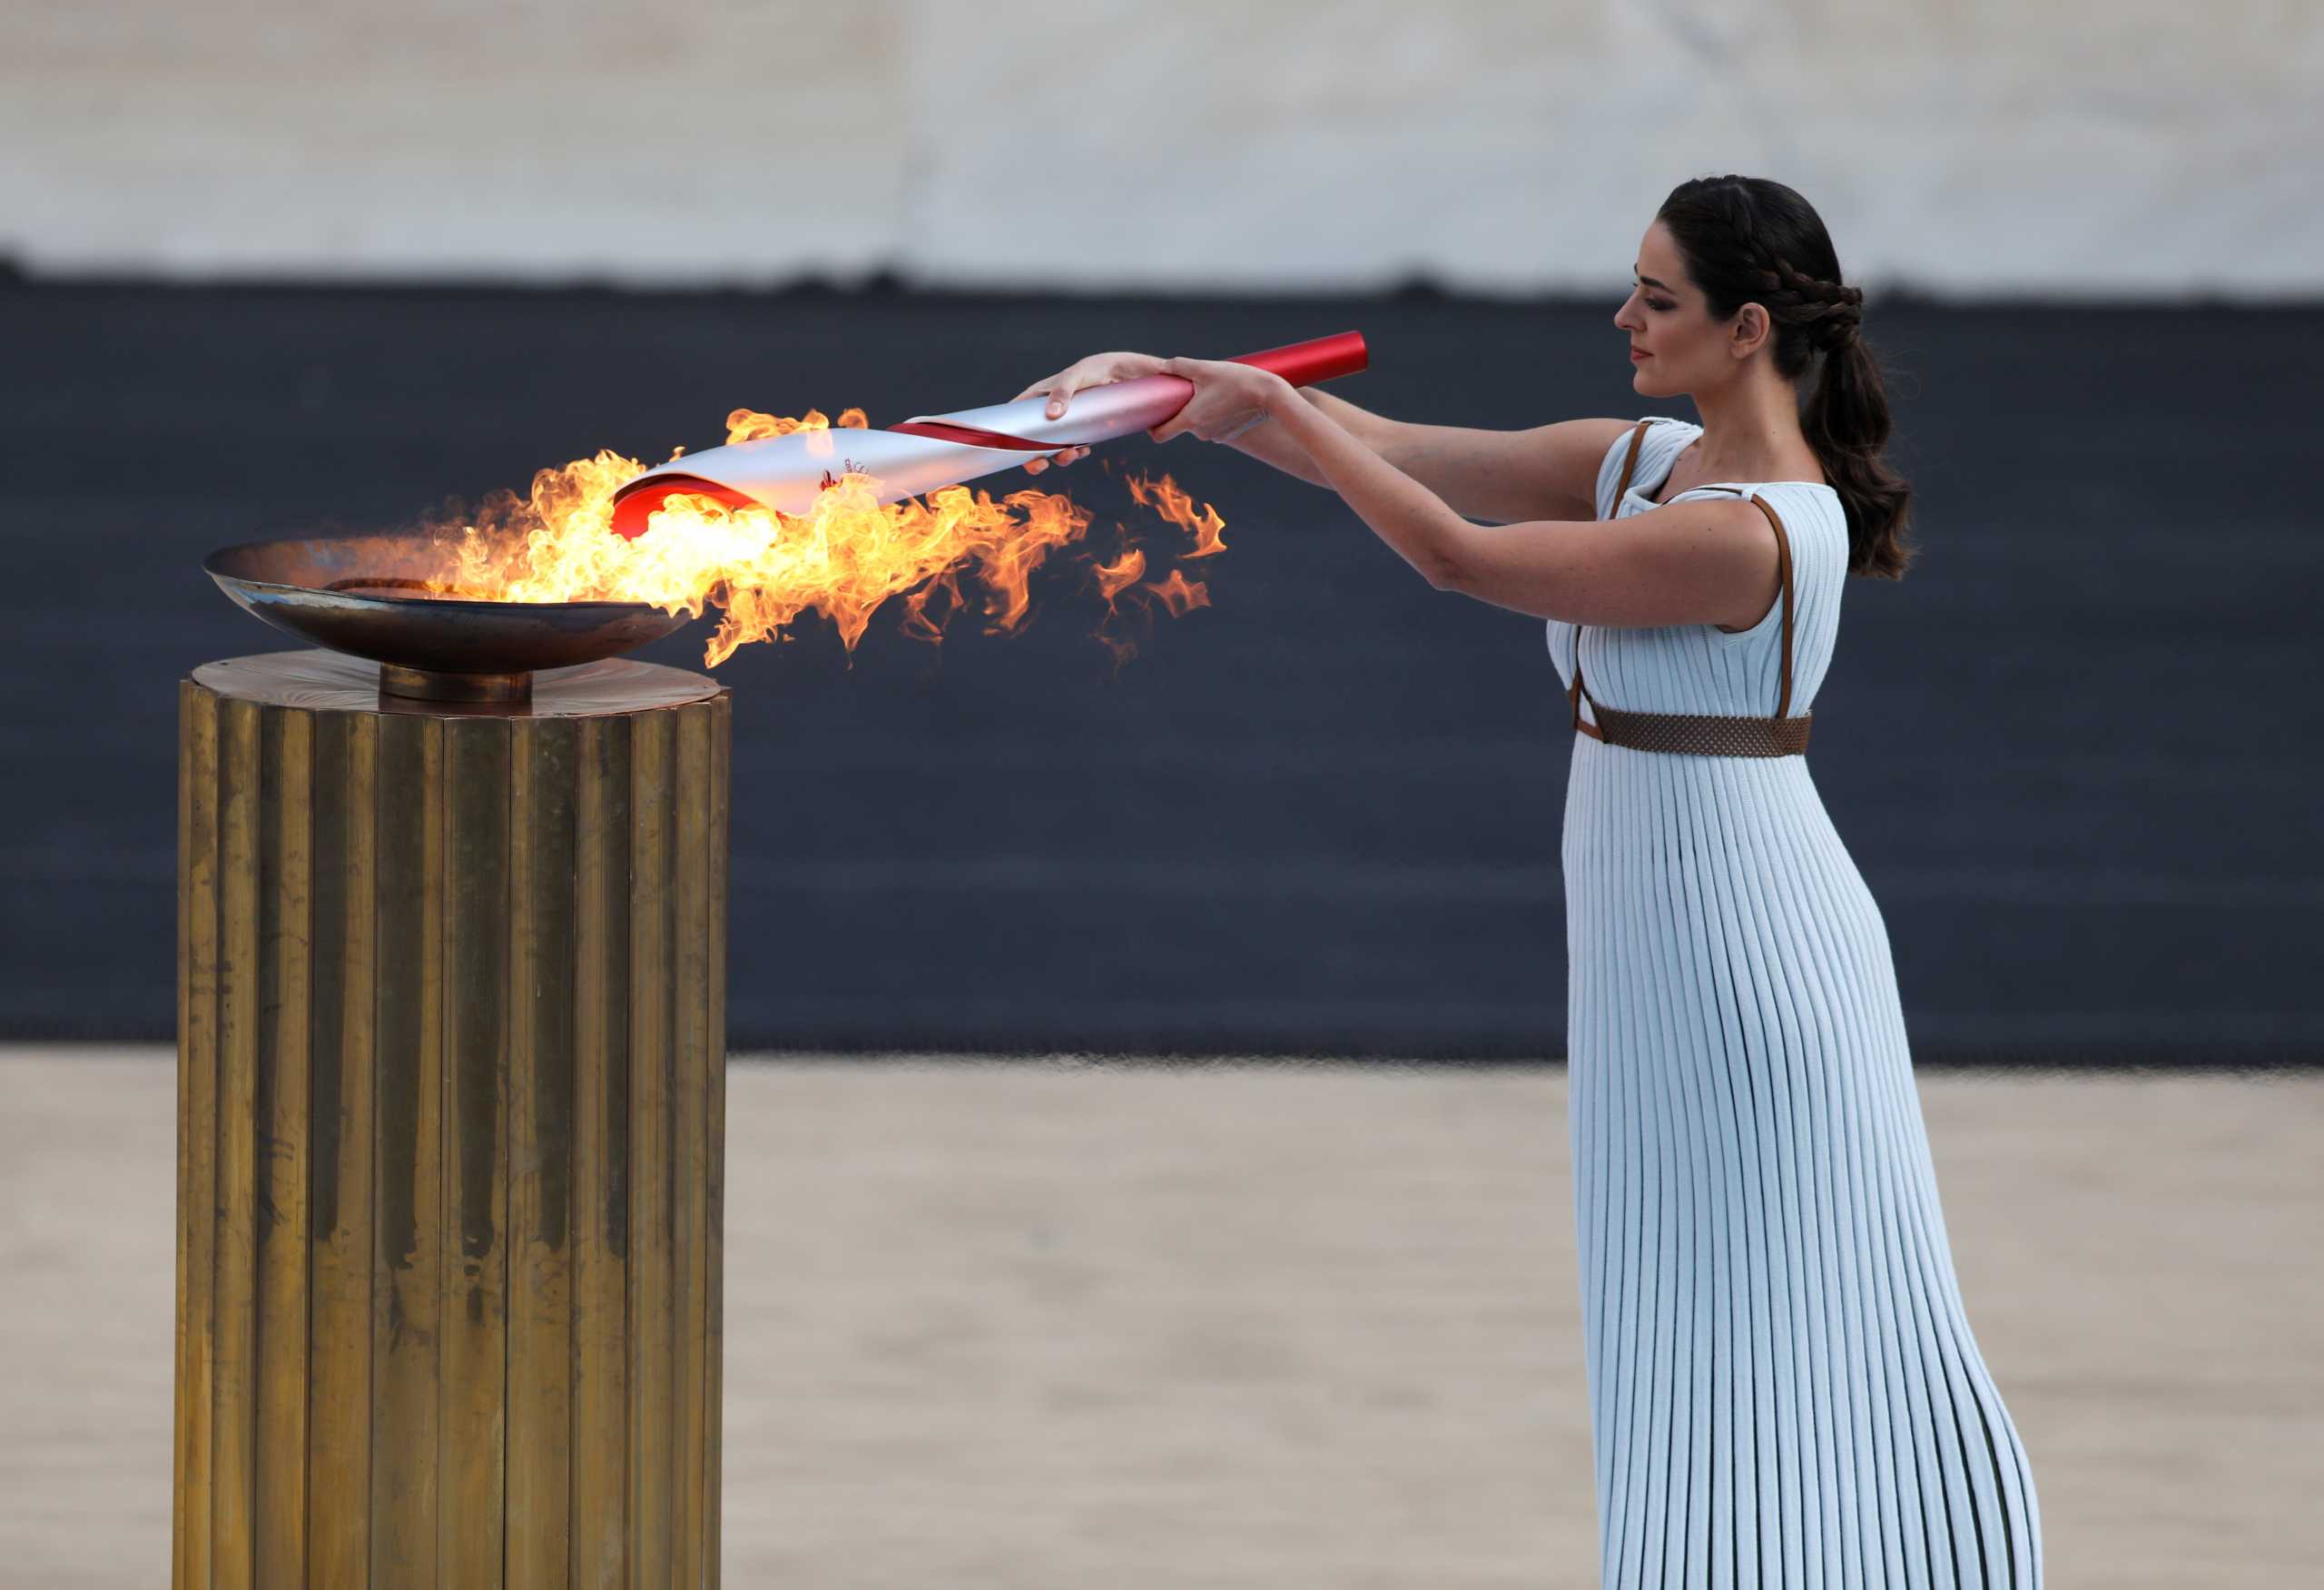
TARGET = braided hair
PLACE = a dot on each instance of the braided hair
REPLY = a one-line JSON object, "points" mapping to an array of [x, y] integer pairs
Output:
{"points": [[1748, 240]]}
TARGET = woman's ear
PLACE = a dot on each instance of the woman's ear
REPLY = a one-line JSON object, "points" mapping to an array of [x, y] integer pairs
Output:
{"points": [[1751, 325]]}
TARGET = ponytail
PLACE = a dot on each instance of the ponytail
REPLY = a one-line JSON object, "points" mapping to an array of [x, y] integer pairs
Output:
{"points": [[1846, 422]]}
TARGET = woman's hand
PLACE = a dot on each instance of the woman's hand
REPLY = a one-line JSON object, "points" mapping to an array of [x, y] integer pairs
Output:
{"points": [[1095, 371], [1229, 398]]}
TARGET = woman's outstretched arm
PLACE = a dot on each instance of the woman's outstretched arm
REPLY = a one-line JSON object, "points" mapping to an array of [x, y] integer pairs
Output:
{"points": [[1424, 530], [1501, 476], [1685, 563], [1549, 471]]}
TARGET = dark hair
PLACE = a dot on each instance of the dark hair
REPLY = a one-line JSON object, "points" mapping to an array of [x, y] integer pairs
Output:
{"points": [[1748, 240]]}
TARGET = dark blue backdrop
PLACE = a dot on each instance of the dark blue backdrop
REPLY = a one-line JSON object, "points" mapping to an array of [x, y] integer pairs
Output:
{"points": [[2074, 752]]}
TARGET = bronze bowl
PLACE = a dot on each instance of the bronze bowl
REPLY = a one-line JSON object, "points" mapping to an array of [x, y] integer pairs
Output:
{"points": [[377, 597]]}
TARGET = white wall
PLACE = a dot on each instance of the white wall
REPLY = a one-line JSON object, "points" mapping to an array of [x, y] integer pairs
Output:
{"points": [[1969, 147]]}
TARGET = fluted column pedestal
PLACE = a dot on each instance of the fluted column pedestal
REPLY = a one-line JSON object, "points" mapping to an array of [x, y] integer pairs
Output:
{"points": [[451, 1117]]}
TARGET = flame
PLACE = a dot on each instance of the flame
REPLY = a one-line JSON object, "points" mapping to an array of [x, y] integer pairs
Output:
{"points": [[845, 558], [1164, 498], [750, 425], [1113, 579], [1181, 595]]}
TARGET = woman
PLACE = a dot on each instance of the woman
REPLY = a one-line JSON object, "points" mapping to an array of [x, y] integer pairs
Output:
{"points": [[1785, 1389]]}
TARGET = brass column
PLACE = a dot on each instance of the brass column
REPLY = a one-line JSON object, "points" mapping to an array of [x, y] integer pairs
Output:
{"points": [[451, 1118]]}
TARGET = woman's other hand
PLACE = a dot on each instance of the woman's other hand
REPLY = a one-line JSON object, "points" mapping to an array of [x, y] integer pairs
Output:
{"points": [[1098, 370], [1229, 398]]}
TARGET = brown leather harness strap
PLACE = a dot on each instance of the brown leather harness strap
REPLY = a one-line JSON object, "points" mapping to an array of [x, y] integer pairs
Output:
{"points": [[1630, 468], [1700, 734]]}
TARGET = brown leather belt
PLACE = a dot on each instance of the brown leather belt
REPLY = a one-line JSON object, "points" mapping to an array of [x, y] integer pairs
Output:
{"points": [[1699, 734]]}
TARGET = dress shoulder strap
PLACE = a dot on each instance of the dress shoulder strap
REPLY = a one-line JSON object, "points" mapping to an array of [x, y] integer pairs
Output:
{"points": [[1629, 462]]}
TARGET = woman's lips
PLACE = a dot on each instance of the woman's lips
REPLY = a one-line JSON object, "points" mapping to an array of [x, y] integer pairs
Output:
{"points": [[1636, 355]]}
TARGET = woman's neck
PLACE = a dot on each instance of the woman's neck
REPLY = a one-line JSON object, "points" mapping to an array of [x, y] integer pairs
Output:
{"points": [[1751, 432]]}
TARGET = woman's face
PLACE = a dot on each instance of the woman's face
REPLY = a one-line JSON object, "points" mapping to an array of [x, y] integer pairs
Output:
{"points": [[1676, 346]]}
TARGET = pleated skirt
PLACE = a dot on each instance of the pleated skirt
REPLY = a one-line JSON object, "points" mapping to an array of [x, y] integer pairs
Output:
{"points": [[1785, 1389]]}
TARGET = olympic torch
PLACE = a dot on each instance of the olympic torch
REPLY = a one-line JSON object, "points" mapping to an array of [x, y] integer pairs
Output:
{"points": [[934, 450]]}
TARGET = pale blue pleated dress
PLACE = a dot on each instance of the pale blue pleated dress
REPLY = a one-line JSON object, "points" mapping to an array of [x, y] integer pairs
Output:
{"points": [[1784, 1388]]}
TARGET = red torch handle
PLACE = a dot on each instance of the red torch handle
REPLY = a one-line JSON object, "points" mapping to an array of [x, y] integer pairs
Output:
{"points": [[1304, 364]]}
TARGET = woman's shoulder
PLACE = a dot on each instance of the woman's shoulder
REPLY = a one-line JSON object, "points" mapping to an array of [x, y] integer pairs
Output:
{"points": [[1813, 518], [1815, 521], [1665, 438], [1806, 499], [1663, 434]]}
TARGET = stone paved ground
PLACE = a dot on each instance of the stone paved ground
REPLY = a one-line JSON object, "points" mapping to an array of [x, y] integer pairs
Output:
{"points": [[1051, 1325]]}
